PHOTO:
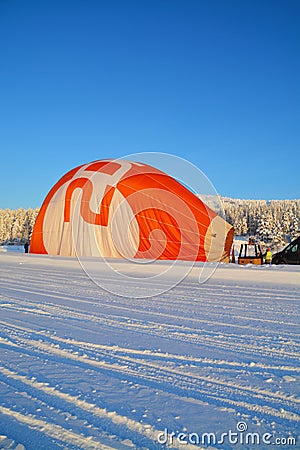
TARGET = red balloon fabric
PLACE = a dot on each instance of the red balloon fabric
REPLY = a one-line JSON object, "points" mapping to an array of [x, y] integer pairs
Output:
{"points": [[123, 209]]}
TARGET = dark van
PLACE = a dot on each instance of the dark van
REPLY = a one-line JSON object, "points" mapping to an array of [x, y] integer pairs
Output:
{"points": [[289, 255]]}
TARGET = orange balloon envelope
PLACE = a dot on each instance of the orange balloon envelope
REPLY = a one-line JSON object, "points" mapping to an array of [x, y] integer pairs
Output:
{"points": [[122, 209]]}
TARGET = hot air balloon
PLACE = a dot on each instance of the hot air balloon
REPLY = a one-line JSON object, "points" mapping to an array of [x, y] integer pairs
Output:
{"points": [[123, 209]]}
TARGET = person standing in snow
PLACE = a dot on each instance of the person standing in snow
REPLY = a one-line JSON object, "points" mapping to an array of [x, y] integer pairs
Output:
{"points": [[26, 246], [268, 256]]}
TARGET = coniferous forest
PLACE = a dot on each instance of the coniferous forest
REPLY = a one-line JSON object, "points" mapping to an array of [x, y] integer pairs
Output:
{"points": [[16, 225], [274, 222]]}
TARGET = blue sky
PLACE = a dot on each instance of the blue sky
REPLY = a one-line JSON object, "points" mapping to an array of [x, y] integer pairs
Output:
{"points": [[216, 82]]}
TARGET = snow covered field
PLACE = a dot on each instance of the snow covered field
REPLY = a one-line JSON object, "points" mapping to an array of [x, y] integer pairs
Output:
{"points": [[83, 368]]}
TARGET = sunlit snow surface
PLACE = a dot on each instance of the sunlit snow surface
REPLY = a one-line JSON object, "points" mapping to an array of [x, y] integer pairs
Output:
{"points": [[82, 368]]}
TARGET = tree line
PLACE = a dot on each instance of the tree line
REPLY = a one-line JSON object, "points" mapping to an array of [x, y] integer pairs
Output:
{"points": [[16, 225], [274, 222]]}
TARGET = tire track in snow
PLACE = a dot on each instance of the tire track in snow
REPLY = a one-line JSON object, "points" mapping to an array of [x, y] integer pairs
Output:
{"points": [[55, 431], [59, 412], [264, 329], [174, 357], [182, 333], [178, 304], [118, 420], [56, 277], [201, 361], [64, 311], [175, 380]]}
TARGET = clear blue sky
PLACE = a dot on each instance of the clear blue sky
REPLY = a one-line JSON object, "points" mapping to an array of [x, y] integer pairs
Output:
{"points": [[216, 82]]}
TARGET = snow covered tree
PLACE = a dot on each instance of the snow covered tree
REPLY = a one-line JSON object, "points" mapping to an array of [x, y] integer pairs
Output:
{"points": [[16, 225], [241, 226], [277, 235], [265, 228], [294, 230]]}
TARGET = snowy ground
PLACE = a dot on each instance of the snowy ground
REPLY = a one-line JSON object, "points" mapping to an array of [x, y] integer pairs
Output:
{"points": [[82, 368]]}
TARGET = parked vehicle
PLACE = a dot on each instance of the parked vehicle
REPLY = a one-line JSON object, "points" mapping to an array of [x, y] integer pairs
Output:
{"points": [[289, 255]]}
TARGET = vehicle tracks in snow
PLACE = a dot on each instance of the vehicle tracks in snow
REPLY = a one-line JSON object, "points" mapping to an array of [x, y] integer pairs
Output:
{"points": [[150, 369]]}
